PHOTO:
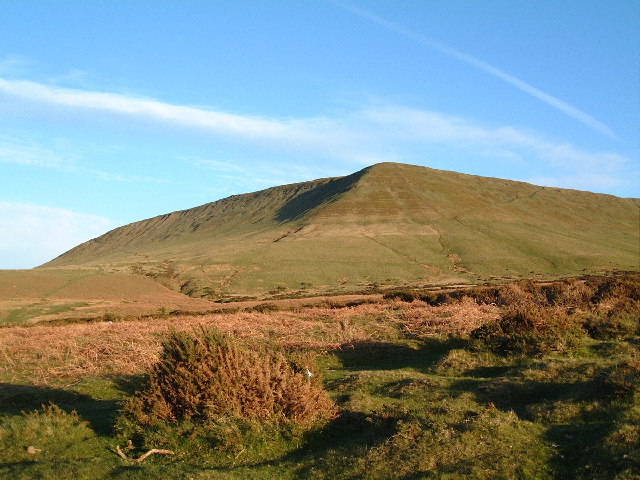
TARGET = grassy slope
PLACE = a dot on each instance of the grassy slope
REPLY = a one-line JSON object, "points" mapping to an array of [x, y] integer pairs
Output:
{"points": [[387, 224], [34, 295]]}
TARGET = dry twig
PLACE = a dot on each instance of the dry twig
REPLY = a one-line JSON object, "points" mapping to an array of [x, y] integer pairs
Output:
{"points": [[122, 455]]}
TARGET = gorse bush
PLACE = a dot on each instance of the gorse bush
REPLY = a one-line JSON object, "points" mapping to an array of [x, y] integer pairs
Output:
{"points": [[209, 376]]}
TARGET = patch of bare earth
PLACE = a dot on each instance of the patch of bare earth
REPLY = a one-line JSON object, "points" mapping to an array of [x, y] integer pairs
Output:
{"points": [[41, 354]]}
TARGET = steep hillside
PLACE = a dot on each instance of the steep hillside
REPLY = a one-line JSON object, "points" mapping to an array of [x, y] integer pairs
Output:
{"points": [[386, 224]]}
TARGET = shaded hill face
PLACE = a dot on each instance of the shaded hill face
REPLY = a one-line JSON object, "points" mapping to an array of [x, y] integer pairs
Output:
{"points": [[387, 224]]}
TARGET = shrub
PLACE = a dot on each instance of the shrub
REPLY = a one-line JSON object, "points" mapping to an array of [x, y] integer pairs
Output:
{"points": [[617, 314], [402, 295], [608, 327], [486, 295], [209, 376], [435, 299], [517, 293], [264, 308], [529, 329], [616, 288], [575, 293], [620, 380]]}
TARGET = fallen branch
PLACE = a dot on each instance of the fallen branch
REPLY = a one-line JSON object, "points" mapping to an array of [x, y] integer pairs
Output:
{"points": [[122, 455]]}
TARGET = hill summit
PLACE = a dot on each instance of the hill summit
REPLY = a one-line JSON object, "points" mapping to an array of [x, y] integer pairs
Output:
{"points": [[388, 224]]}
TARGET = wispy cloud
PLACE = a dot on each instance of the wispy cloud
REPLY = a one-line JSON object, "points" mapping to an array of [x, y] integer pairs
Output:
{"points": [[23, 152], [237, 174], [14, 64], [19, 151], [383, 132], [117, 103], [413, 124], [34, 234], [512, 80]]}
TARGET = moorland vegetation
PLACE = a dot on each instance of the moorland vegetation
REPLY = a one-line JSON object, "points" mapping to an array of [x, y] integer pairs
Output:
{"points": [[523, 380]]}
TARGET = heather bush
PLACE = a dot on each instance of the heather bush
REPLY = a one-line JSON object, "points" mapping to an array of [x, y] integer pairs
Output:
{"points": [[529, 329], [264, 308], [620, 380], [608, 327], [434, 299], [210, 376], [402, 295], [486, 295], [518, 293], [616, 312], [616, 288], [575, 293]]}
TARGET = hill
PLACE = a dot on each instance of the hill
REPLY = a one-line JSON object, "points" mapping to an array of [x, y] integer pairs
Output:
{"points": [[388, 224]]}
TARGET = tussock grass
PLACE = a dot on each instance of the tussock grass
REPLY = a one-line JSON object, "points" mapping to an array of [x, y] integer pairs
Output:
{"points": [[50, 431]]}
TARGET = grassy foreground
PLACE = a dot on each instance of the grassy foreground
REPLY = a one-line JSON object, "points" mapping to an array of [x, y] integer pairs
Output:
{"points": [[521, 381]]}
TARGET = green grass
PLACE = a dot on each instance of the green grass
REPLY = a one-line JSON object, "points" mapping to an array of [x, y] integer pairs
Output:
{"points": [[26, 312], [411, 405], [408, 409]]}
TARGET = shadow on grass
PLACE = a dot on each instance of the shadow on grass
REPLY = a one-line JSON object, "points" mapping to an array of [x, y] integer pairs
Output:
{"points": [[318, 195], [338, 441], [488, 371], [517, 394], [372, 355], [581, 450], [579, 439], [130, 384], [101, 414]]}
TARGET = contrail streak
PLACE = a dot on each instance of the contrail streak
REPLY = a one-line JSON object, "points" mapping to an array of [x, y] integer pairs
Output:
{"points": [[556, 103]]}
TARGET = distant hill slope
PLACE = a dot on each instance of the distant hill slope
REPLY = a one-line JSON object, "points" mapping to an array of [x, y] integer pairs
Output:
{"points": [[387, 224]]}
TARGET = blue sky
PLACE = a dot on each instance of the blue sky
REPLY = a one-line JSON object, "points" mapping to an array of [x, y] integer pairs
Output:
{"points": [[114, 111]]}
